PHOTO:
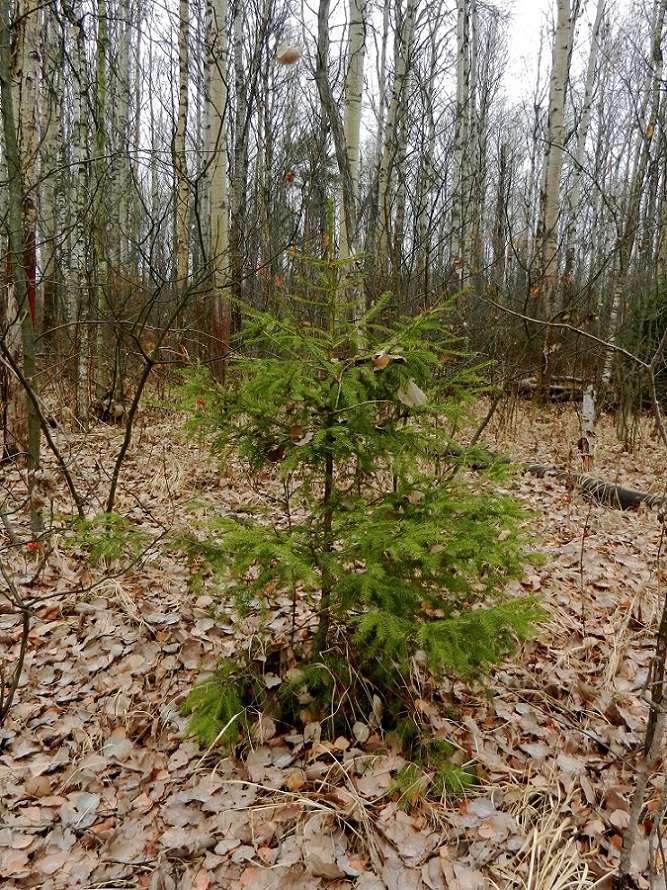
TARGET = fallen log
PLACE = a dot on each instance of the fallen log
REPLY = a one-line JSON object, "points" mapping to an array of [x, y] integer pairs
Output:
{"points": [[604, 492], [616, 496], [561, 389]]}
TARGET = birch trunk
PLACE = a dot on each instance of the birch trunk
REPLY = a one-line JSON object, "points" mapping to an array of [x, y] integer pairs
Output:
{"points": [[22, 432], [218, 159], [78, 295], [103, 349], [460, 194], [627, 237], [574, 194], [392, 148], [352, 124], [332, 114], [547, 234], [373, 263], [179, 158]]}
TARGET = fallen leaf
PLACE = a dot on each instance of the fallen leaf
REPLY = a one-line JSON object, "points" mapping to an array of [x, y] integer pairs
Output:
{"points": [[412, 396]]}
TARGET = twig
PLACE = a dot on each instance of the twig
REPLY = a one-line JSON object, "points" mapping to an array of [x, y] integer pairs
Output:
{"points": [[575, 330], [8, 691], [650, 367], [652, 747]]}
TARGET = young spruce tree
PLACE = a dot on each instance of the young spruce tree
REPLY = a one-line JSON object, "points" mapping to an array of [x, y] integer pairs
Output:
{"points": [[400, 551]]}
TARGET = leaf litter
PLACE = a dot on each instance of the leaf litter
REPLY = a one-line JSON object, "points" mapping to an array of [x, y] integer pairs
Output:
{"points": [[100, 787]]}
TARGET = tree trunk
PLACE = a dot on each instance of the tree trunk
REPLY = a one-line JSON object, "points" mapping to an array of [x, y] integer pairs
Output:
{"points": [[354, 80], [98, 271], [25, 436], [375, 264], [78, 292], [217, 152], [461, 186], [179, 158], [550, 203], [630, 219], [49, 315], [392, 148], [578, 158], [332, 114], [425, 199]]}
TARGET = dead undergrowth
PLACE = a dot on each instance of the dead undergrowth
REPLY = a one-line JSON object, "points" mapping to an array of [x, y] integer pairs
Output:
{"points": [[99, 788]]}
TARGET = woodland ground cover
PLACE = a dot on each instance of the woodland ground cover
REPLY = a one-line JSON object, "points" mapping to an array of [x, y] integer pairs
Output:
{"points": [[100, 788]]}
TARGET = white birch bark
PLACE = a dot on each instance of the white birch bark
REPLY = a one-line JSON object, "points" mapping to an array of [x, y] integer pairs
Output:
{"points": [[574, 193], [553, 161], [218, 158], [461, 133], [424, 222], [352, 120], [77, 297], [573, 211], [21, 138], [636, 179], [179, 159], [391, 148], [547, 234], [587, 440]]}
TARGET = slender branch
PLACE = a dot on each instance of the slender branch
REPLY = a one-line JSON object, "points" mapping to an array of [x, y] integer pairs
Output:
{"points": [[151, 360], [570, 327], [8, 691], [655, 401], [649, 367], [46, 430]]}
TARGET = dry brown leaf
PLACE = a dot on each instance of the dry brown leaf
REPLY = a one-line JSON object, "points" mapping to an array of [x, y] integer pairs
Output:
{"points": [[98, 710], [295, 780]]}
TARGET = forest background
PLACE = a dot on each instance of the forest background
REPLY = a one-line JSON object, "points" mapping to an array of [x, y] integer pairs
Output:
{"points": [[163, 169]]}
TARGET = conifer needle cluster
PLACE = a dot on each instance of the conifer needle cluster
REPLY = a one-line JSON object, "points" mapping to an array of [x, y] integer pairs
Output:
{"points": [[401, 552]]}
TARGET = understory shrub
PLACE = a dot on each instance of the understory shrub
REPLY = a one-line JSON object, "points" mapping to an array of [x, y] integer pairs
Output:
{"points": [[375, 518]]}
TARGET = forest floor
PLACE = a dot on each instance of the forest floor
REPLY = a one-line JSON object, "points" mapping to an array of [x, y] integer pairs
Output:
{"points": [[99, 787]]}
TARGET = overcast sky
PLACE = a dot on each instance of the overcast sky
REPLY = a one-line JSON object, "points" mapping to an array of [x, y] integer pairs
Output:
{"points": [[528, 19]]}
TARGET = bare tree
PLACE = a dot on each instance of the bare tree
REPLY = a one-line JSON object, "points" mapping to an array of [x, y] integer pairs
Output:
{"points": [[356, 54], [19, 81], [550, 199], [218, 161], [179, 156], [392, 135]]}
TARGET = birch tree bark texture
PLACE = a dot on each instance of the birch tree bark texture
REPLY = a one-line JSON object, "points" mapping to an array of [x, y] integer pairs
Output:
{"points": [[179, 158], [332, 113], [550, 198], [217, 152], [19, 78], [392, 135], [354, 82], [22, 433]]}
